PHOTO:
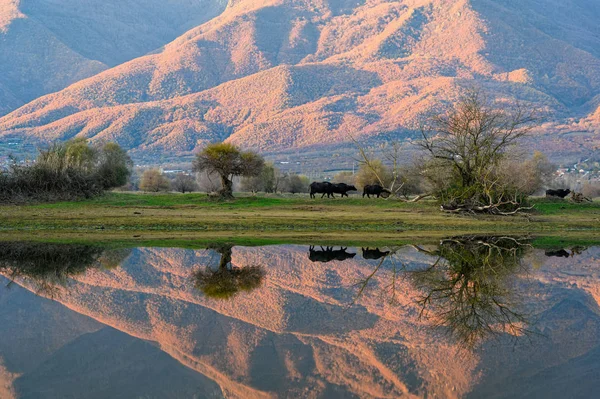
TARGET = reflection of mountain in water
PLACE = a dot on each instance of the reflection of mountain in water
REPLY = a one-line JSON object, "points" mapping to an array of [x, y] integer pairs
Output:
{"points": [[296, 336]]}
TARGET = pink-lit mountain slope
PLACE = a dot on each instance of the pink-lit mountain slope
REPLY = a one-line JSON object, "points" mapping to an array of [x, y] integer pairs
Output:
{"points": [[279, 75], [46, 45]]}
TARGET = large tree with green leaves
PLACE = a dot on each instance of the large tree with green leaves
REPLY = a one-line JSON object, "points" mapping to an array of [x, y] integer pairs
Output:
{"points": [[227, 161]]}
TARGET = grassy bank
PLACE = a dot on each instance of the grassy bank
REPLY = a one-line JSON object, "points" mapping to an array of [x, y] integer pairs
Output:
{"points": [[193, 217]]}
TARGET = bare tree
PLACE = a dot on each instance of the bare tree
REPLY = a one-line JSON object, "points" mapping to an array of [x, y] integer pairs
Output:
{"points": [[184, 183], [266, 181], [294, 183], [470, 141], [208, 182], [154, 181], [376, 169]]}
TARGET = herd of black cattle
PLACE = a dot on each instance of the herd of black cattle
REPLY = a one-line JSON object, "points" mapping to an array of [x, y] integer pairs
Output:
{"points": [[328, 254], [329, 189]]}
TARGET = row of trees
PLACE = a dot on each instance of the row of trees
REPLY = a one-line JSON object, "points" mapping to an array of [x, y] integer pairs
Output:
{"points": [[69, 170], [270, 180]]}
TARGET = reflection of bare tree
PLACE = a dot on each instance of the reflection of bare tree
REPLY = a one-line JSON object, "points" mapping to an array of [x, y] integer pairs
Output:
{"points": [[227, 280], [468, 289], [48, 266], [396, 268]]}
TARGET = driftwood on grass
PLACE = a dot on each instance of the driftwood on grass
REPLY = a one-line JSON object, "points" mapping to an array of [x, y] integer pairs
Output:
{"points": [[491, 208], [579, 198]]}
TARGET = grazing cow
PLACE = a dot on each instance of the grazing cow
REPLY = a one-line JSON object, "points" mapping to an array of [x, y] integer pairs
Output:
{"points": [[561, 253], [328, 254], [374, 189], [343, 188], [321, 188], [374, 253], [558, 193]]}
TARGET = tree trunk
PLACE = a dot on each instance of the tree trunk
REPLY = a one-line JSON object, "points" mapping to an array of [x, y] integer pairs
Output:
{"points": [[225, 260], [226, 191]]}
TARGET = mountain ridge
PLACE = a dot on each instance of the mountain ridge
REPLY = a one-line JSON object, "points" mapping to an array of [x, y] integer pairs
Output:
{"points": [[419, 54], [47, 45]]}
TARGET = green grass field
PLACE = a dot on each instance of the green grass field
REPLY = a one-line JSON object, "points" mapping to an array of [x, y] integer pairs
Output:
{"points": [[193, 218]]}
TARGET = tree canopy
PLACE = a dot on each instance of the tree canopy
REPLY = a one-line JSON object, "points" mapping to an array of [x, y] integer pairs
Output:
{"points": [[227, 161]]}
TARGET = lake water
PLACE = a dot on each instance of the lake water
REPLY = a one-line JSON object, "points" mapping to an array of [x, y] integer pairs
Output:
{"points": [[476, 317]]}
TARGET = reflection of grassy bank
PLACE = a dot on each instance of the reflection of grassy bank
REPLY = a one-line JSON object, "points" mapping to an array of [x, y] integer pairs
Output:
{"points": [[202, 240], [192, 219]]}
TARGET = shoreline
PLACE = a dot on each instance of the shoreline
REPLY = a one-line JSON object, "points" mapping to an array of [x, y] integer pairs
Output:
{"points": [[188, 218]]}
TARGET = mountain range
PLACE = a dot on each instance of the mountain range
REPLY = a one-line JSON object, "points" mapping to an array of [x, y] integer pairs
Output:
{"points": [[46, 45], [282, 76]]}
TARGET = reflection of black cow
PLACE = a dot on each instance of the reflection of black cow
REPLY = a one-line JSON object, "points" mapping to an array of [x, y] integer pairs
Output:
{"points": [[374, 189], [343, 188], [561, 253], [561, 193], [374, 253], [328, 254], [321, 188]]}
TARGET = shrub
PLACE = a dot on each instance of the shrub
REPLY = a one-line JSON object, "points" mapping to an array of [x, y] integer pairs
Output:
{"points": [[65, 171], [184, 183], [154, 181]]}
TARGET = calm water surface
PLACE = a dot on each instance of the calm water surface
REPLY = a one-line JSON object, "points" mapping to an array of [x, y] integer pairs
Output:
{"points": [[476, 317]]}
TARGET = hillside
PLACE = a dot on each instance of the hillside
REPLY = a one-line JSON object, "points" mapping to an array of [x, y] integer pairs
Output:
{"points": [[46, 45], [278, 75]]}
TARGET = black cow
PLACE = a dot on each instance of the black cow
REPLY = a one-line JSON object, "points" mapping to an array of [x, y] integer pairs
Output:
{"points": [[324, 188], [561, 193], [328, 254], [374, 253], [561, 253], [343, 188], [374, 189]]}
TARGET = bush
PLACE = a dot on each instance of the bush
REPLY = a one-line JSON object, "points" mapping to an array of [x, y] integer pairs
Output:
{"points": [[345, 177], [184, 183], [293, 183], [114, 166], [154, 181], [591, 189], [374, 173], [66, 171], [266, 181]]}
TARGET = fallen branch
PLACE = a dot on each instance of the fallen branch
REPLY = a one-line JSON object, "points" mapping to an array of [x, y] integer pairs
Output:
{"points": [[491, 209], [420, 197]]}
